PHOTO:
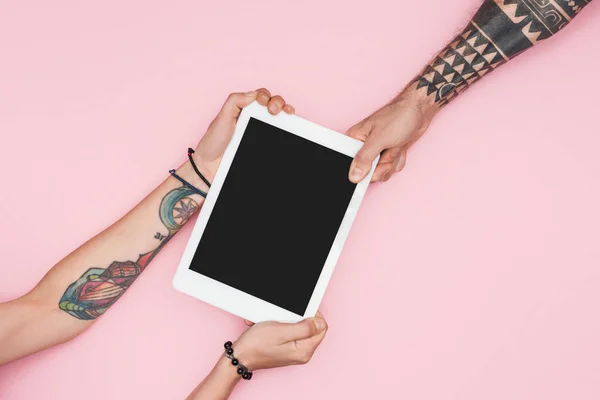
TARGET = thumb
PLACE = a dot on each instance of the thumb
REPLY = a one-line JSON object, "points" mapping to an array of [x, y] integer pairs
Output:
{"points": [[304, 329], [364, 159], [235, 103]]}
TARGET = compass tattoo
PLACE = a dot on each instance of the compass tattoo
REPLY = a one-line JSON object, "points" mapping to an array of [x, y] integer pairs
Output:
{"points": [[499, 31], [99, 288]]}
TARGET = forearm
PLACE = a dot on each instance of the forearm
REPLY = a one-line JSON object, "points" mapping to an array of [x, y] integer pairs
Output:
{"points": [[219, 384], [87, 282], [499, 31]]}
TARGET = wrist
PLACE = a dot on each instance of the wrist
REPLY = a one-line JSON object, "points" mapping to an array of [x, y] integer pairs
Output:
{"points": [[244, 355], [419, 100], [186, 171], [227, 371]]}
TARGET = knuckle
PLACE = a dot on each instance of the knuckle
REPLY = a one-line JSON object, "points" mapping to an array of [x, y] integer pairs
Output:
{"points": [[362, 159], [232, 97], [358, 133], [311, 328], [304, 357], [264, 91]]}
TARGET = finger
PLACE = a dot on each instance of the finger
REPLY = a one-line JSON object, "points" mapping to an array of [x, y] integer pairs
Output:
{"points": [[263, 96], [387, 163], [361, 165], [235, 102], [275, 104], [288, 109], [303, 329], [305, 348], [249, 323], [310, 344], [359, 131], [401, 162], [382, 171]]}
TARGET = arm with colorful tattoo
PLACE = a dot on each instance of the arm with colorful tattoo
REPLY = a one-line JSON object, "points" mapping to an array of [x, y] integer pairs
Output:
{"points": [[86, 283], [499, 31], [98, 288]]}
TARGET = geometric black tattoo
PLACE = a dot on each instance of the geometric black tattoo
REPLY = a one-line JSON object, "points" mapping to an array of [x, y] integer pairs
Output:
{"points": [[499, 31]]}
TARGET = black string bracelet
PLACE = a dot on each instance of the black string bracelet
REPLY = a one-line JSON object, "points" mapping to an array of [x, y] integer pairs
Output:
{"points": [[190, 152], [241, 369], [187, 184]]}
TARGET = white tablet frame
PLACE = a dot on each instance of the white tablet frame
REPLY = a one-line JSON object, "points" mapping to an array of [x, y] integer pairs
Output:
{"points": [[236, 301]]}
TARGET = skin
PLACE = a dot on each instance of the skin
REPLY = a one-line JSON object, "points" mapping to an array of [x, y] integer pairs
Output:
{"points": [[499, 31], [264, 345], [36, 321]]}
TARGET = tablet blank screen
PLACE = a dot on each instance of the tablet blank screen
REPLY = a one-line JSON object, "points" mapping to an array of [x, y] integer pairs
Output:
{"points": [[276, 217]]}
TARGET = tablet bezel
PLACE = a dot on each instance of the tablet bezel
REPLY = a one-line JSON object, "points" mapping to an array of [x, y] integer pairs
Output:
{"points": [[236, 301]]}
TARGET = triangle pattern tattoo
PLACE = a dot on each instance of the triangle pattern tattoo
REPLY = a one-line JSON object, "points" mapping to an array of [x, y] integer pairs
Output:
{"points": [[437, 62], [477, 67], [449, 77], [478, 59], [472, 41], [438, 78], [422, 83], [470, 58], [457, 79], [469, 50], [468, 69], [489, 57], [429, 77], [450, 60], [467, 76], [498, 59], [481, 49], [447, 69]]}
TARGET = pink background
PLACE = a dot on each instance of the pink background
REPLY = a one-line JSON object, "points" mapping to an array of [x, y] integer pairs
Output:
{"points": [[474, 274]]}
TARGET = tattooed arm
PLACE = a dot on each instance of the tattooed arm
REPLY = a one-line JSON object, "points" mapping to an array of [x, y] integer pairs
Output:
{"points": [[499, 31], [83, 285]]}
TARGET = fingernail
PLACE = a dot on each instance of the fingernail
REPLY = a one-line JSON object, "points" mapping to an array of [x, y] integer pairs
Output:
{"points": [[320, 324], [273, 108], [250, 94], [356, 174]]}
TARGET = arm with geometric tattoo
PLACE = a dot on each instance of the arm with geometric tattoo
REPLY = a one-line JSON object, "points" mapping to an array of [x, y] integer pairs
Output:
{"points": [[499, 31], [87, 282]]}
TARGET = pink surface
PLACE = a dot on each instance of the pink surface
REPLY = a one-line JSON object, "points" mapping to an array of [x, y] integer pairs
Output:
{"points": [[472, 275]]}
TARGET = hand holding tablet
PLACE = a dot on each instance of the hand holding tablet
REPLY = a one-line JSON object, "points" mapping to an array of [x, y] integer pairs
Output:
{"points": [[273, 224]]}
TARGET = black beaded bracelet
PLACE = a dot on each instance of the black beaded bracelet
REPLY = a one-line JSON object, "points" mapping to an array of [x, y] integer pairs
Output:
{"points": [[241, 368]]}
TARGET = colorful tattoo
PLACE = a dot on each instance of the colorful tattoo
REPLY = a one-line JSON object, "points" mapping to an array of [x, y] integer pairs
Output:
{"points": [[97, 289], [499, 31]]}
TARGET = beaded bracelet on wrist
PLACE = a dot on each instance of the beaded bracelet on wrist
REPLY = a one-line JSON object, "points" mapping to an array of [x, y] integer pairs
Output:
{"points": [[241, 368]]}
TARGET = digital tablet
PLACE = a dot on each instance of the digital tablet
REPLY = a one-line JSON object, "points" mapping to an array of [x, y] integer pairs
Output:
{"points": [[275, 219]]}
